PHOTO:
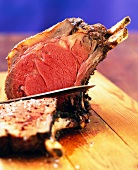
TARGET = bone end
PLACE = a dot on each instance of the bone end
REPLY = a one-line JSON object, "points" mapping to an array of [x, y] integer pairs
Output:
{"points": [[120, 25], [118, 33]]}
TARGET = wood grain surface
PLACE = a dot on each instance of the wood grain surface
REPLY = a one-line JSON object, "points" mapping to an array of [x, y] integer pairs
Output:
{"points": [[110, 141]]}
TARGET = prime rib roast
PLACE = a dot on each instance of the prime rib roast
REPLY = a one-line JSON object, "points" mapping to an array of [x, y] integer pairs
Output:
{"points": [[62, 56]]}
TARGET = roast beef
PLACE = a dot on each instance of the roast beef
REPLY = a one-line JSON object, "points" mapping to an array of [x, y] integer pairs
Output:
{"points": [[29, 126], [21, 123], [65, 55]]}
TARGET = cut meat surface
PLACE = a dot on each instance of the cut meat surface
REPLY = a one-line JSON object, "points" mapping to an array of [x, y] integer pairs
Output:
{"points": [[58, 58], [25, 120]]}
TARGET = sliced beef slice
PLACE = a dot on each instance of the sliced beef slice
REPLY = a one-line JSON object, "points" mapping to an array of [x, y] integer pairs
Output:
{"points": [[28, 126], [62, 56], [22, 122]]}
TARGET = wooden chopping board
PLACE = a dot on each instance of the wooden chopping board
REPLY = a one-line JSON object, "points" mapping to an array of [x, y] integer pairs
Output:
{"points": [[110, 141]]}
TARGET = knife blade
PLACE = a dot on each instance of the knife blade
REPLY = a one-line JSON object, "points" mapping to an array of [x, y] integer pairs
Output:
{"points": [[54, 93]]}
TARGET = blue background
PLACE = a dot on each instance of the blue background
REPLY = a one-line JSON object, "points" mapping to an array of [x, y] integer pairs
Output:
{"points": [[37, 15]]}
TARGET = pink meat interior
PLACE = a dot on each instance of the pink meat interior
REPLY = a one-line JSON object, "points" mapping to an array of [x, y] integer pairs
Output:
{"points": [[48, 68]]}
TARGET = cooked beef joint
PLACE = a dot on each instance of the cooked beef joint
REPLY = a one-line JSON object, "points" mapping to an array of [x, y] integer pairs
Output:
{"points": [[63, 56]]}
